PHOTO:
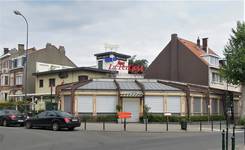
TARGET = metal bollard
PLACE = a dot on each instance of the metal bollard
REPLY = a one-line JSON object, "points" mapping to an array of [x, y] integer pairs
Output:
{"points": [[124, 125], [85, 125], [220, 125], [200, 125], [103, 125], [223, 140], [227, 138], [146, 123], [212, 125], [232, 143], [167, 125], [244, 136]]}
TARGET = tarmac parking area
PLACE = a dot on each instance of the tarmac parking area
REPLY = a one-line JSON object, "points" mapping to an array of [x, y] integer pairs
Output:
{"points": [[18, 138]]}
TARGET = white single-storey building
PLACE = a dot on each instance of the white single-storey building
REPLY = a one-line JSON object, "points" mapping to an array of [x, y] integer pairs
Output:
{"points": [[104, 96]]}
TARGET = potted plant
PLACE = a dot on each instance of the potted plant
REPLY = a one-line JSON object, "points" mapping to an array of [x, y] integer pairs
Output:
{"points": [[146, 110]]}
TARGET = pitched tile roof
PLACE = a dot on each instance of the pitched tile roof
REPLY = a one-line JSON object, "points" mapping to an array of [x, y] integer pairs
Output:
{"points": [[197, 50]]}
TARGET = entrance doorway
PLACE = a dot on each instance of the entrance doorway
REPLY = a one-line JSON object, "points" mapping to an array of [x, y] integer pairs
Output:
{"points": [[132, 105]]}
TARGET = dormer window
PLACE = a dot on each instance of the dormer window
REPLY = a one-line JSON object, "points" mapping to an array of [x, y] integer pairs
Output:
{"points": [[214, 61]]}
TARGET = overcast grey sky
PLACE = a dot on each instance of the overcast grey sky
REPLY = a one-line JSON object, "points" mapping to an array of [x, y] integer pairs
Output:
{"points": [[141, 28]]}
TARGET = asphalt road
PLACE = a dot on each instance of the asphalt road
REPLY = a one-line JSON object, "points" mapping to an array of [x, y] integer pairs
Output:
{"points": [[18, 138]]}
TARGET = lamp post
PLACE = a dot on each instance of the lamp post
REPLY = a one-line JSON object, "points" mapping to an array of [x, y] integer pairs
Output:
{"points": [[16, 12]]}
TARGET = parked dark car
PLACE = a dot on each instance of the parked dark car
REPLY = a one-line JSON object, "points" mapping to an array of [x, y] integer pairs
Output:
{"points": [[54, 120], [11, 117]]}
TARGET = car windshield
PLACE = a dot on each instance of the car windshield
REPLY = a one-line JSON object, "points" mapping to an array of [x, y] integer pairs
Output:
{"points": [[12, 112], [64, 114]]}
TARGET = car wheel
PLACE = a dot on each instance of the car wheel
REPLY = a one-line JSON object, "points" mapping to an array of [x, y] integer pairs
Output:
{"points": [[5, 123], [55, 126], [28, 125], [71, 129]]}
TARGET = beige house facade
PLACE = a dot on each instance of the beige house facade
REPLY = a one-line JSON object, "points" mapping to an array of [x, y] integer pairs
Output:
{"points": [[47, 81]]}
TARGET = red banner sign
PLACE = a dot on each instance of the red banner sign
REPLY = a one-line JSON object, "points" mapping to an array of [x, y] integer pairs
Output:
{"points": [[124, 115], [131, 68]]}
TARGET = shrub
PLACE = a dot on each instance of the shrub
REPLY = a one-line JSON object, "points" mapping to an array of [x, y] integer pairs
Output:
{"points": [[242, 121], [99, 118], [162, 118]]}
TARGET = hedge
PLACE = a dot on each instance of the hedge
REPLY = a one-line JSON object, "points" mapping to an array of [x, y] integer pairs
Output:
{"points": [[99, 118], [161, 118], [242, 121]]}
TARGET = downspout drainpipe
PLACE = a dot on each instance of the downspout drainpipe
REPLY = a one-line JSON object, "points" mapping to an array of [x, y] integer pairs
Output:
{"points": [[188, 97]]}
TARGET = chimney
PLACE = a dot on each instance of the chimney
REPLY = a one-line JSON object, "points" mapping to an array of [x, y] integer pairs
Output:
{"points": [[48, 45], [62, 49], [205, 44], [21, 47], [198, 42], [5, 50], [174, 36]]}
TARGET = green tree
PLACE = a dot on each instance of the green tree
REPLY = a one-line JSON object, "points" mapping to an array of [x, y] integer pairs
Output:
{"points": [[137, 62], [234, 68]]}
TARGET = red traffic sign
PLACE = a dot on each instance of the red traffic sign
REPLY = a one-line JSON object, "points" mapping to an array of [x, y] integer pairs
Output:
{"points": [[124, 115]]}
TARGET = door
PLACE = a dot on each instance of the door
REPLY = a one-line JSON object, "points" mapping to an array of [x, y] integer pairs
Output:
{"points": [[38, 120], [67, 103], [132, 105], [48, 120]]}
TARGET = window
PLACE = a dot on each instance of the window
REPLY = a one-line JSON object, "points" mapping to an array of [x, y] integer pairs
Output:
{"points": [[214, 61], [82, 78], [40, 83], [19, 64], [100, 64], [42, 114], [51, 82], [204, 106], [216, 78], [18, 80], [51, 114], [23, 61], [197, 104], [15, 63], [214, 106], [6, 80]]}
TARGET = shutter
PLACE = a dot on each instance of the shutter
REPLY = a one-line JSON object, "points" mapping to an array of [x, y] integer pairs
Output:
{"points": [[155, 103], [197, 104], [67, 103], [106, 104], [85, 104], [174, 104]]}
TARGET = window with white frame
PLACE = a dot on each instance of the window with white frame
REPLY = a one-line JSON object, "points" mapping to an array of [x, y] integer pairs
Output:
{"points": [[214, 106], [214, 61], [18, 80], [216, 78]]}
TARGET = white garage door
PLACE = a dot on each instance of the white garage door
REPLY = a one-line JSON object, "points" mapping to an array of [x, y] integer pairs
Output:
{"points": [[132, 105], [85, 104], [106, 104], [173, 104], [155, 103]]}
